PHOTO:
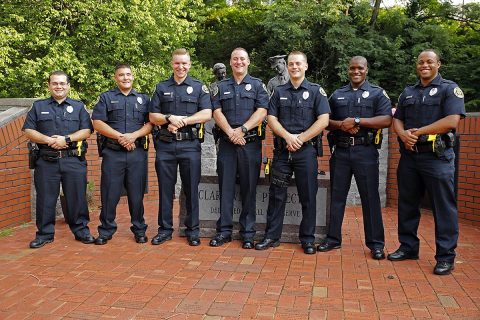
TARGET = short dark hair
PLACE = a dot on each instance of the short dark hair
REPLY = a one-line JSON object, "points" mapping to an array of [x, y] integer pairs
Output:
{"points": [[433, 51], [121, 66], [58, 73], [359, 58]]}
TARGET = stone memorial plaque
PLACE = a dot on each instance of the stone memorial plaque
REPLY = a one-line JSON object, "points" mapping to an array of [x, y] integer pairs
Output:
{"points": [[209, 205]]}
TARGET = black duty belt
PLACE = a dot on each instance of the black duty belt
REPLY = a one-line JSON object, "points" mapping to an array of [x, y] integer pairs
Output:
{"points": [[346, 142], [52, 155]]}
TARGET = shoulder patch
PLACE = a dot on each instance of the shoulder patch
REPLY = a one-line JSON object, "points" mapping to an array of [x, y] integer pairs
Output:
{"points": [[322, 92], [385, 94], [215, 90], [97, 101], [264, 87], [205, 89], [458, 92]]}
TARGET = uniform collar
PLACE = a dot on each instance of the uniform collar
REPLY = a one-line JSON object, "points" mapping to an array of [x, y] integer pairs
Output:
{"points": [[188, 81], [246, 79], [67, 101], [436, 81], [305, 84], [132, 92], [364, 87]]}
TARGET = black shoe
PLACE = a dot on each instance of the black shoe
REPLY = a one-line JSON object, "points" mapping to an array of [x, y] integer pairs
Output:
{"points": [[38, 243], [101, 240], [140, 238], [247, 244], [378, 254], [327, 246], [161, 238], [443, 268], [88, 239], [309, 248], [267, 243], [219, 240], [193, 241], [400, 255]]}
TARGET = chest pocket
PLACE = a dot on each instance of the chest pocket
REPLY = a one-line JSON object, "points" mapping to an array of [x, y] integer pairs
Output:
{"points": [[366, 108], [285, 112], [72, 121], [45, 123], [248, 102], [411, 116], [115, 112], [340, 109], [431, 109], [306, 107], [226, 100], [166, 103], [140, 112], [191, 103]]}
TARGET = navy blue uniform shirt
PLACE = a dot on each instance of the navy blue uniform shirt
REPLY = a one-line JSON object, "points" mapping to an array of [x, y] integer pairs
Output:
{"points": [[420, 106], [367, 101], [184, 99], [240, 101], [50, 118], [297, 109], [123, 113]]}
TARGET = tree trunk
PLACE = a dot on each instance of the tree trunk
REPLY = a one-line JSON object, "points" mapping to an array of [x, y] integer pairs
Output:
{"points": [[376, 9]]}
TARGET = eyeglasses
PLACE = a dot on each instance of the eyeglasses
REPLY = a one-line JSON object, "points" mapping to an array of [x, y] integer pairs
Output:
{"points": [[61, 84]]}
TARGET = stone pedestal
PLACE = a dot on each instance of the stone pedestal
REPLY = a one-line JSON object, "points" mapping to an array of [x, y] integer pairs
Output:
{"points": [[209, 203]]}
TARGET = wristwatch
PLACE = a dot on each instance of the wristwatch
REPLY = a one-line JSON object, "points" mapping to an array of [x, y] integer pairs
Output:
{"points": [[357, 121], [68, 140], [244, 129], [167, 117]]}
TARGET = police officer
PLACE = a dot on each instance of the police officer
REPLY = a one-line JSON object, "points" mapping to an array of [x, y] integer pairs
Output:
{"points": [[240, 106], [59, 125], [121, 117], [425, 121], [178, 107], [359, 112], [298, 112]]}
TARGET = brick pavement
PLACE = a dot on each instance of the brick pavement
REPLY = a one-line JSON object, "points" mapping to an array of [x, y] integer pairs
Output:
{"points": [[125, 280]]}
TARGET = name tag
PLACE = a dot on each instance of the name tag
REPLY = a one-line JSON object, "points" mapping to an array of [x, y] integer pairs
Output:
{"points": [[114, 101], [408, 97], [283, 98], [341, 98], [167, 93], [226, 92], [45, 112]]}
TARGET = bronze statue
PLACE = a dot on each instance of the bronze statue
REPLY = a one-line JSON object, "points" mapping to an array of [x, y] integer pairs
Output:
{"points": [[280, 66], [220, 72]]}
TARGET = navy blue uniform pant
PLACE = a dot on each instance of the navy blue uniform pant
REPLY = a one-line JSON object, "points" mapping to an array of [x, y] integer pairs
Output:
{"points": [[304, 164], [415, 174], [186, 155], [245, 161], [123, 169], [362, 162], [71, 172]]}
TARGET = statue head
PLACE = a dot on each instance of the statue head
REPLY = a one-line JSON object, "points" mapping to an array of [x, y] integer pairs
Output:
{"points": [[220, 71], [278, 64]]}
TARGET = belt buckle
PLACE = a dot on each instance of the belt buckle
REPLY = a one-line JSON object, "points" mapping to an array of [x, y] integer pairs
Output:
{"points": [[351, 141], [62, 154], [178, 136]]}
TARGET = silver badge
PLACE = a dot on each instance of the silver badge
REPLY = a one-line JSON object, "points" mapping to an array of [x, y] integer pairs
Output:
{"points": [[365, 94], [189, 90], [140, 100], [305, 95], [248, 87], [433, 91], [69, 109]]}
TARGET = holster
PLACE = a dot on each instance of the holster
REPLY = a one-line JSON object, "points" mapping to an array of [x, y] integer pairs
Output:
{"points": [[318, 144], [100, 144], [33, 151]]}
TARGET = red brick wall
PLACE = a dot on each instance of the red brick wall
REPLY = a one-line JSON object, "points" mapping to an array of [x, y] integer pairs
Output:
{"points": [[468, 170], [15, 176], [15, 179]]}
